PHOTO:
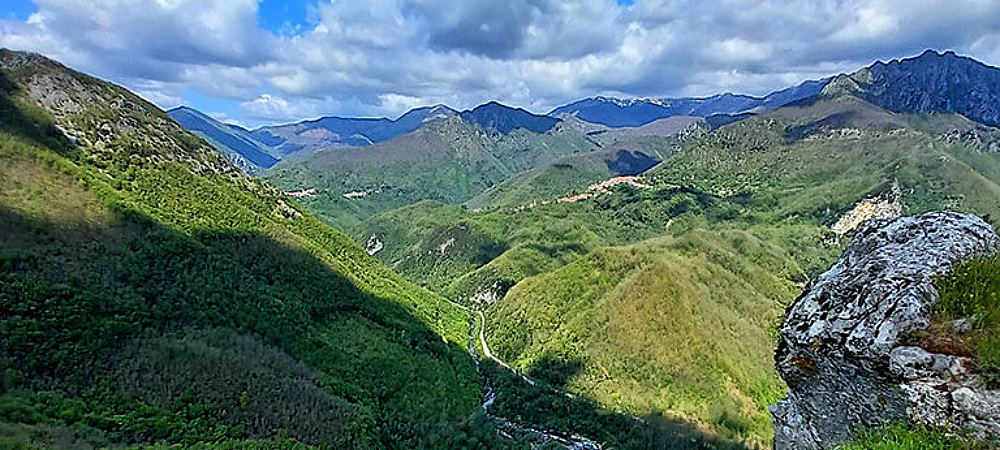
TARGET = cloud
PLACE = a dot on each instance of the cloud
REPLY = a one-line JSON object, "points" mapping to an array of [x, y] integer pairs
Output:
{"points": [[737, 50], [380, 57], [493, 29], [273, 108]]}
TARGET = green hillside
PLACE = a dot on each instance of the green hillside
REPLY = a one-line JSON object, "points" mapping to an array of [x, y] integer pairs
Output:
{"points": [[547, 182], [152, 293], [449, 161], [817, 160], [684, 325], [461, 253], [566, 176], [677, 316], [679, 325], [626, 151]]}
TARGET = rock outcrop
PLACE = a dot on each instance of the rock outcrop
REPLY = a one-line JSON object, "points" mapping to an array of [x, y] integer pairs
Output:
{"points": [[842, 351]]}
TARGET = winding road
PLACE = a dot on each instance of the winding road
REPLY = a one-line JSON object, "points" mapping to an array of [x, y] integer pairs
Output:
{"points": [[507, 427], [489, 354]]}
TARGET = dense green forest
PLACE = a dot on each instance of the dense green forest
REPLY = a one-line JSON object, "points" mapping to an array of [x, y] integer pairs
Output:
{"points": [[151, 293]]}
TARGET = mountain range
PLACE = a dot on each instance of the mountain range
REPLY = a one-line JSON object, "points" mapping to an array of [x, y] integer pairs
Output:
{"points": [[234, 141], [313, 135], [930, 83], [260, 146], [436, 153], [892, 85], [616, 112]]}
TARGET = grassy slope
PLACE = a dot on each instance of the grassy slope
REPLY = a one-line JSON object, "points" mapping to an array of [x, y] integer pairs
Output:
{"points": [[449, 161], [777, 181], [558, 178], [970, 291], [764, 157], [900, 437], [572, 174], [500, 245], [675, 324], [147, 250]]}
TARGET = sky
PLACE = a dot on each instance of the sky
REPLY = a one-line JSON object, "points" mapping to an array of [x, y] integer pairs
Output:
{"points": [[256, 62]]}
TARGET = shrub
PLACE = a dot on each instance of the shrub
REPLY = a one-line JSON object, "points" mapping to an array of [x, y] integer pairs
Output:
{"points": [[971, 290], [916, 437]]}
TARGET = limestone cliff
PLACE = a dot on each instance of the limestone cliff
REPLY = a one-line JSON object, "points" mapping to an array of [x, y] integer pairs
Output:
{"points": [[842, 351]]}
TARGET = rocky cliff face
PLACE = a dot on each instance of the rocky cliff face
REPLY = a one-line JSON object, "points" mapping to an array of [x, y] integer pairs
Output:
{"points": [[111, 123], [840, 349]]}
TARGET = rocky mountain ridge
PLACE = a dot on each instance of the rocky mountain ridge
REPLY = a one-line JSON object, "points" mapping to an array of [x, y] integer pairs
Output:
{"points": [[932, 82]]}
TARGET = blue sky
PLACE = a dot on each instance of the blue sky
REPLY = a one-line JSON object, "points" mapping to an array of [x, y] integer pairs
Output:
{"points": [[279, 16], [17, 9], [258, 62]]}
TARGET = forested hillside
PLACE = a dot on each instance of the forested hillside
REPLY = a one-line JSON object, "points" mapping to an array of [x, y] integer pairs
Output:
{"points": [[616, 286], [153, 293], [449, 161], [749, 213]]}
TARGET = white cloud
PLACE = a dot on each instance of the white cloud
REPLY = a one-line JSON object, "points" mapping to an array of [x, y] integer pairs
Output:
{"points": [[738, 50], [384, 56], [869, 22], [271, 107], [391, 103]]}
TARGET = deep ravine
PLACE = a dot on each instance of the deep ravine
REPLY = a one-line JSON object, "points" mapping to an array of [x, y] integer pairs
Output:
{"points": [[536, 436]]}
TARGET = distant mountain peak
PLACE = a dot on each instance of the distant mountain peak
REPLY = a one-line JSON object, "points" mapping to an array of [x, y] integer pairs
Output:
{"points": [[930, 56], [497, 117], [442, 108], [942, 82], [929, 53], [438, 108], [190, 110], [635, 112], [626, 102]]}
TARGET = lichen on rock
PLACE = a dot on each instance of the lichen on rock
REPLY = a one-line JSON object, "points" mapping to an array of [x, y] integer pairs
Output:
{"points": [[841, 348]]}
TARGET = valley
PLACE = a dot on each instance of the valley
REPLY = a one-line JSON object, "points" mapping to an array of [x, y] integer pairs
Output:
{"points": [[588, 295], [611, 275]]}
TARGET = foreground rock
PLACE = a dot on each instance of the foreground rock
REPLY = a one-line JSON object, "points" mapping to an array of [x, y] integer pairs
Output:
{"points": [[840, 349]]}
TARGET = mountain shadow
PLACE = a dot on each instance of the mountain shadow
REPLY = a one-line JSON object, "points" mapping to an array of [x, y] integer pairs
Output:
{"points": [[627, 163], [36, 130], [547, 406], [149, 334], [555, 371]]}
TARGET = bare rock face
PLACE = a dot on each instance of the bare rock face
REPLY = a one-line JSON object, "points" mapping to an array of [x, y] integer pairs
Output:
{"points": [[840, 351]]}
